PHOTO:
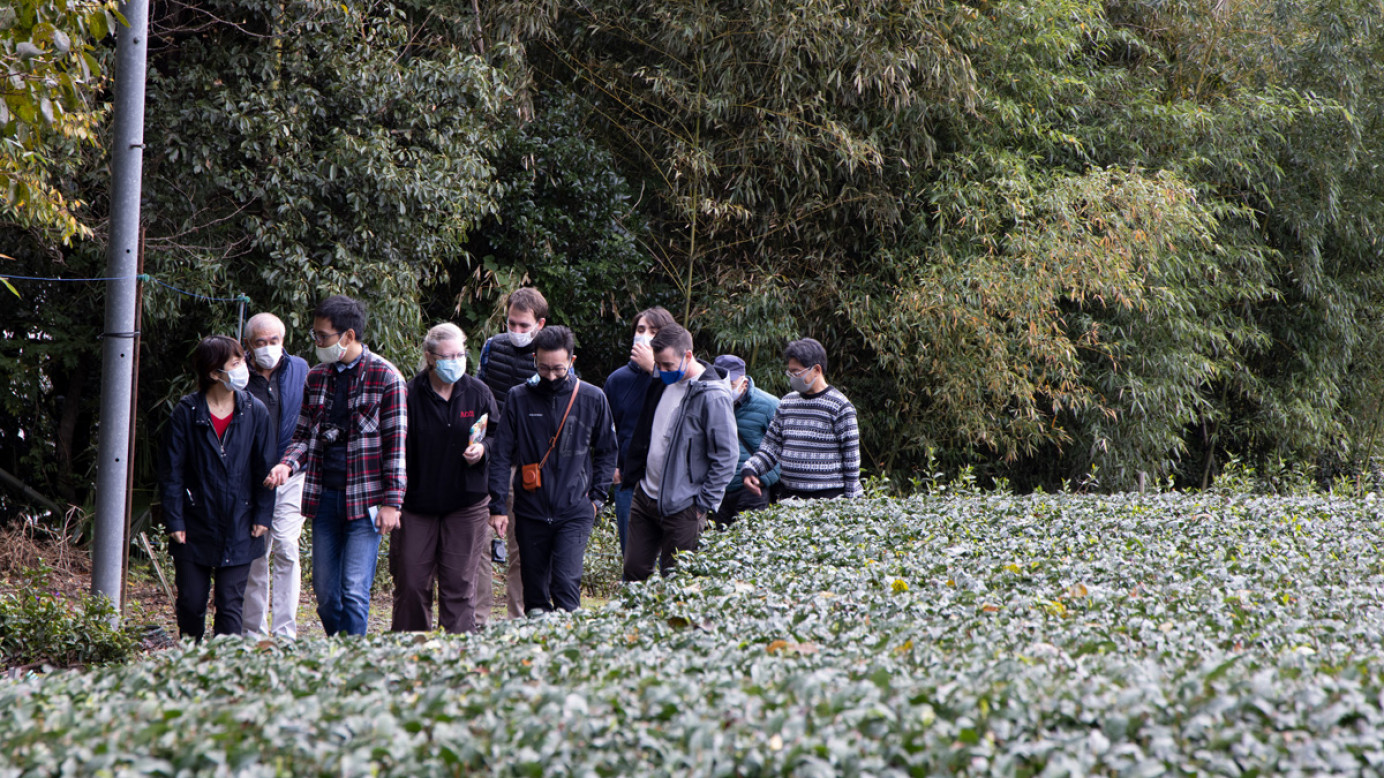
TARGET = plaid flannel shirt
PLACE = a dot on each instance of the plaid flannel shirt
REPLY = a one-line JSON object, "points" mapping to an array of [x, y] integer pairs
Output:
{"points": [[376, 470]]}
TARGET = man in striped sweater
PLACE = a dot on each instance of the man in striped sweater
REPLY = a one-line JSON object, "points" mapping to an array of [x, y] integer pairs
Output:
{"points": [[813, 437]]}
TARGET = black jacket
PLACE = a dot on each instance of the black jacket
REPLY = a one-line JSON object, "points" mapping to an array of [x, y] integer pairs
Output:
{"points": [[504, 366], [214, 489], [579, 471], [439, 479]]}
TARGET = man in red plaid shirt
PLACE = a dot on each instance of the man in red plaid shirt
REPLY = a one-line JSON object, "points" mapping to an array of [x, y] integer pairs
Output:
{"points": [[350, 442]]}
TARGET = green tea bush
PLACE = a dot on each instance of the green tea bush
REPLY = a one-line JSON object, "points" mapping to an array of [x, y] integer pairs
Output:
{"points": [[38, 627], [991, 634]]}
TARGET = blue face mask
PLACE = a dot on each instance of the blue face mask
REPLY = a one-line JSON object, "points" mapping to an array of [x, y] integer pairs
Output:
{"points": [[671, 377], [449, 371]]}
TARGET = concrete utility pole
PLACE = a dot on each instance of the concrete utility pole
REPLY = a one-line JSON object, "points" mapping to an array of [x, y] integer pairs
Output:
{"points": [[117, 364]]}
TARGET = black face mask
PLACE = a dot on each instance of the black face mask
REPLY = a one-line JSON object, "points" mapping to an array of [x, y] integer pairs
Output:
{"points": [[552, 384]]}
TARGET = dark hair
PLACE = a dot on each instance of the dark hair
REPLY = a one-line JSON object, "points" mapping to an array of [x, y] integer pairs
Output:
{"points": [[808, 352], [528, 299], [211, 355], [555, 338], [344, 314], [672, 336], [657, 317]]}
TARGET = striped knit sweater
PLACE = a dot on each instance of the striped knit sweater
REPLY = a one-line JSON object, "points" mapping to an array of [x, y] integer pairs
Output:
{"points": [[816, 441]]}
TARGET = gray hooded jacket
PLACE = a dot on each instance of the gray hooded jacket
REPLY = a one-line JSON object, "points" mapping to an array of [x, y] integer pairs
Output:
{"points": [[703, 451]]}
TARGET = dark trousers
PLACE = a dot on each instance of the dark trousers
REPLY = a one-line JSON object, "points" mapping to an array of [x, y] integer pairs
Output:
{"points": [[552, 553], [655, 539], [447, 549], [194, 584], [741, 499]]}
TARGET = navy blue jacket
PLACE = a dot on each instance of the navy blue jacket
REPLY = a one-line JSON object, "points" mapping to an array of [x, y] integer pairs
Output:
{"points": [[292, 374], [579, 471], [625, 390], [213, 488]]}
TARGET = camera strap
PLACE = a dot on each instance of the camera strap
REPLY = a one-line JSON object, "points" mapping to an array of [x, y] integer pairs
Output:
{"points": [[553, 443]]}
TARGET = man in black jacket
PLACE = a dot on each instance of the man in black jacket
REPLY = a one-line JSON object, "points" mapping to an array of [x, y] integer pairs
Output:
{"points": [[575, 460], [507, 362]]}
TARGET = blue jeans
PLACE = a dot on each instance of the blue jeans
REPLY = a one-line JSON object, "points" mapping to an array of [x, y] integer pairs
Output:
{"points": [[624, 497], [343, 565]]}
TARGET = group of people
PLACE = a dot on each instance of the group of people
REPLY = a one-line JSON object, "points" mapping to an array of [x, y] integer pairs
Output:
{"points": [[524, 449]]}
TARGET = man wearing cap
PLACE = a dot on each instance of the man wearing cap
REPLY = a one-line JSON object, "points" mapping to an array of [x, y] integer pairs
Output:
{"points": [[754, 409]]}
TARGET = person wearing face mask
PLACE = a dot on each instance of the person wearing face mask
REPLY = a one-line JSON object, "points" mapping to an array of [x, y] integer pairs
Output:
{"points": [[624, 390], [444, 530], [554, 451], [680, 458], [813, 436], [349, 443], [754, 409], [219, 449], [507, 362], [276, 379]]}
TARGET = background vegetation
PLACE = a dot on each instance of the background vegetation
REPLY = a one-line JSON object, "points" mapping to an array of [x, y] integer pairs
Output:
{"points": [[1044, 240]]}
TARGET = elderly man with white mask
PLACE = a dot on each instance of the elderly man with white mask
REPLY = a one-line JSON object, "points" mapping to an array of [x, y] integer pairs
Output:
{"points": [[276, 379]]}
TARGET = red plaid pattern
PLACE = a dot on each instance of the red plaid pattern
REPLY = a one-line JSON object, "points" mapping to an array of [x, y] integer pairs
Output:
{"points": [[376, 472]]}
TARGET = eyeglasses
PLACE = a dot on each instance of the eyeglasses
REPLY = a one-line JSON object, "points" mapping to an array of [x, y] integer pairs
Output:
{"points": [[320, 338], [553, 370], [446, 356], [798, 374]]}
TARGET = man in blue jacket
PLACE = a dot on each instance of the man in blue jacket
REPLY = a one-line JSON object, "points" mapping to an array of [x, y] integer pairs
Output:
{"points": [[681, 457], [276, 379], [559, 429], [625, 390], [754, 409]]}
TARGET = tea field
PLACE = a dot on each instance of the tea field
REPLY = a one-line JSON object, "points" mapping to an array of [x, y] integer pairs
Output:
{"points": [[980, 635]]}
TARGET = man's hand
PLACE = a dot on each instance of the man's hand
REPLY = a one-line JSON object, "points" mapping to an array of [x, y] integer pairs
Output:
{"points": [[278, 476], [752, 483], [616, 479], [387, 519], [473, 453], [595, 508], [258, 531], [179, 537], [500, 523], [643, 356]]}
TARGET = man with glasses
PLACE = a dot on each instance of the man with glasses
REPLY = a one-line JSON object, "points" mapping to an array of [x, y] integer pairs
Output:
{"points": [[507, 362], [350, 444], [554, 451], [813, 437], [681, 457], [276, 379]]}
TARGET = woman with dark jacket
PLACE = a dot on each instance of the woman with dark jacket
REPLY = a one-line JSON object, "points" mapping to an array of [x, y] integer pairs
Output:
{"points": [[444, 528], [220, 449]]}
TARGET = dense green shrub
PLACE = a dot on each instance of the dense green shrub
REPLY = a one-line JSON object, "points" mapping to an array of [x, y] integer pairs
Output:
{"points": [[977, 634], [39, 627]]}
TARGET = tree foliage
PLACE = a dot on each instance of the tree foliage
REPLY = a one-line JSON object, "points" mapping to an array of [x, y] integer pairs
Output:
{"points": [[48, 98], [1046, 239], [1048, 236]]}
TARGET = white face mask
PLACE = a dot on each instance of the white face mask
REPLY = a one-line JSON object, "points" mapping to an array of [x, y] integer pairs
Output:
{"points": [[267, 357], [645, 339], [521, 339], [331, 354], [237, 378]]}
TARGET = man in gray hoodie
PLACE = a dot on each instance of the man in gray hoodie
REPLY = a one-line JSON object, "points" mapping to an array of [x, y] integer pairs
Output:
{"points": [[683, 454]]}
